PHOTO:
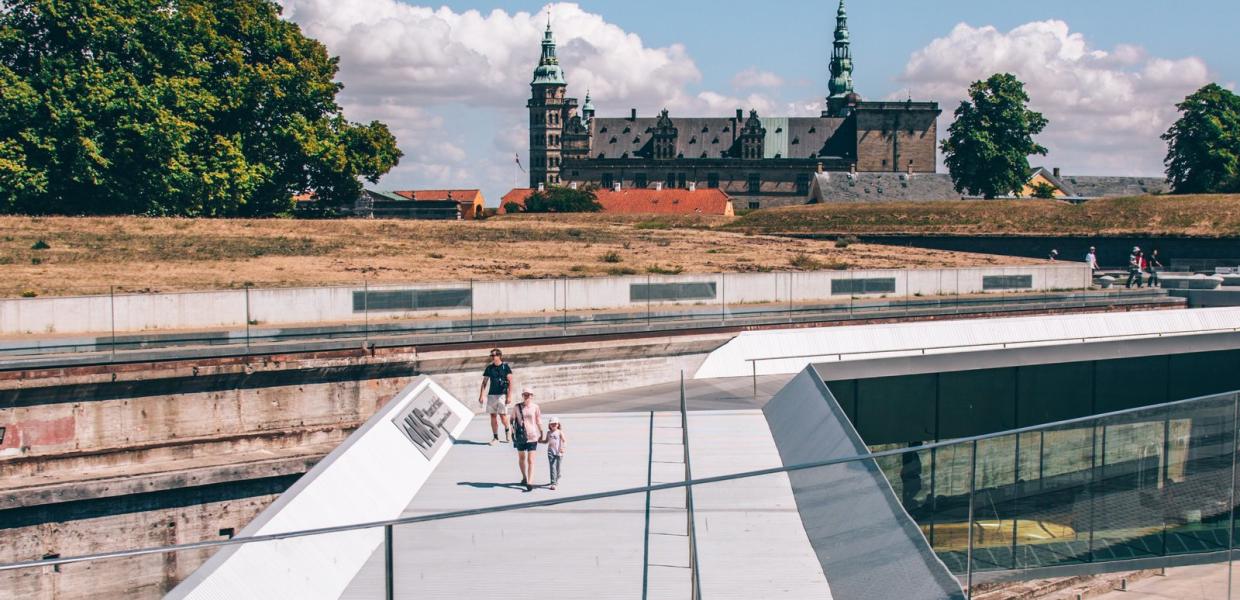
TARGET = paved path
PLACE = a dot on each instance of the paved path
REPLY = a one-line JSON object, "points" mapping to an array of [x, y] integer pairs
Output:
{"points": [[750, 539], [1201, 582], [730, 393]]}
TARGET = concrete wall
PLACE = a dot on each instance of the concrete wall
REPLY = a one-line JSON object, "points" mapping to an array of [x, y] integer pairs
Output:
{"points": [[233, 308]]}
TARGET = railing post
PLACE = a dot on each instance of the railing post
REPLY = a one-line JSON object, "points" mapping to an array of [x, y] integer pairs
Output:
{"points": [[472, 301], [649, 324], [790, 280], [755, 378], [972, 494], [365, 311], [564, 281], [112, 306], [723, 298], [1231, 503], [389, 576], [247, 318]]}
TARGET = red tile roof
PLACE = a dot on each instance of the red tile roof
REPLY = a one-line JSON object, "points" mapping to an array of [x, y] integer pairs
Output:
{"points": [[665, 202], [458, 195], [640, 201]]}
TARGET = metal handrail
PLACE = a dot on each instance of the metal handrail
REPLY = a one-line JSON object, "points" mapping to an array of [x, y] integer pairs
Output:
{"points": [[691, 527], [237, 541]]}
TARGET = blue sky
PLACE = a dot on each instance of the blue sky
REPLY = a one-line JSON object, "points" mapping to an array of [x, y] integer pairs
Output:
{"points": [[451, 78]]}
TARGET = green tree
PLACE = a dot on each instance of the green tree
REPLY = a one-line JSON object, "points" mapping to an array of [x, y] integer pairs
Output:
{"points": [[1203, 146], [562, 199], [988, 145], [185, 107], [1043, 190]]}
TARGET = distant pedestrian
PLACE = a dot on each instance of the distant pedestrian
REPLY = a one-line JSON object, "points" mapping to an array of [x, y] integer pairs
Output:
{"points": [[527, 429], [1134, 267], [1091, 259], [496, 393], [557, 445], [1054, 254], [1152, 266]]}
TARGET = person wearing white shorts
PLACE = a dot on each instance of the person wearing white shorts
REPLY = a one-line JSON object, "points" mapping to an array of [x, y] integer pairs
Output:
{"points": [[496, 393]]}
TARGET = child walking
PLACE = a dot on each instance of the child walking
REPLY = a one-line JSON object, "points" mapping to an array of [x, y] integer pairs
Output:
{"points": [[556, 445]]}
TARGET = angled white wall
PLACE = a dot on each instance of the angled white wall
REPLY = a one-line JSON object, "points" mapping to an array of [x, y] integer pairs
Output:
{"points": [[372, 476]]}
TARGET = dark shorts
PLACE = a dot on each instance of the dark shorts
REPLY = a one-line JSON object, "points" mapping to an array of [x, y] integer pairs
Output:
{"points": [[524, 446]]}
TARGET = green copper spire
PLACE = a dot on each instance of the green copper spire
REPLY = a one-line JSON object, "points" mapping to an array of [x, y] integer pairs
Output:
{"points": [[548, 71], [841, 58]]}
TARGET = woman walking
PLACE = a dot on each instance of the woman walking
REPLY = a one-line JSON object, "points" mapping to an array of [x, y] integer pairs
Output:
{"points": [[527, 429]]}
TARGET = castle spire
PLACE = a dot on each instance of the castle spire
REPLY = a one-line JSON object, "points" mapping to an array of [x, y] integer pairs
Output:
{"points": [[841, 84], [548, 70]]}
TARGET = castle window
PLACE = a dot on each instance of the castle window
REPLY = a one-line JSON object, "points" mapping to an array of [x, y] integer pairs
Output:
{"points": [[693, 140], [613, 140], [602, 155], [813, 130], [607, 181], [706, 130], [755, 183], [627, 130], [779, 130], [637, 140], [754, 205], [715, 141], [712, 180], [703, 155], [603, 130], [671, 180], [681, 181], [796, 141], [639, 180], [725, 129]]}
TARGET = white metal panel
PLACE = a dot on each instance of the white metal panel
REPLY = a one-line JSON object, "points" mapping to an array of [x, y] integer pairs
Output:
{"points": [[905, 339]]}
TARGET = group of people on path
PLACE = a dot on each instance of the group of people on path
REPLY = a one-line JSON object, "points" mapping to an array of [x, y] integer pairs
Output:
{"points": [[522, 421], [1138, 265]]}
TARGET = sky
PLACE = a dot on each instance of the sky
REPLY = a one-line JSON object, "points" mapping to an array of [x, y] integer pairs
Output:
{"points": [[451, 79]]}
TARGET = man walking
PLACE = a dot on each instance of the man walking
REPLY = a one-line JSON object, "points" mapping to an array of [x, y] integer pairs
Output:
{"points": [[496, 393], [1153, 266], [1091, 259]]}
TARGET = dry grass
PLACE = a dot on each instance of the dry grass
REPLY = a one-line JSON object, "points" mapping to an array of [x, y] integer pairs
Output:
{"points": [[1210, 216], [88, 255]]}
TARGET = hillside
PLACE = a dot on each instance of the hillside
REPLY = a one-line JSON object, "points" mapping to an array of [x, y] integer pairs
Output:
{"points": [[1208, 216], [89, 255]]}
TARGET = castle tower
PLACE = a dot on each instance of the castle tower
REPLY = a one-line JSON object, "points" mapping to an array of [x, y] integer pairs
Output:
{"points": [[549, 112], [841, 85]]}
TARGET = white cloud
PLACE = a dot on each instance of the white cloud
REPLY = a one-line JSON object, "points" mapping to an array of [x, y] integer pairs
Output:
{"points": [[756, 78], [1106, 108]]}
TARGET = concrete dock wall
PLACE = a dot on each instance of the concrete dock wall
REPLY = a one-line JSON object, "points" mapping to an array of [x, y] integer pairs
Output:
{"points": [[236, 308]]}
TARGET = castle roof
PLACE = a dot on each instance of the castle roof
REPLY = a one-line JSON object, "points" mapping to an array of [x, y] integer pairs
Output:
{"points": [[713, 137], [640, 201]]}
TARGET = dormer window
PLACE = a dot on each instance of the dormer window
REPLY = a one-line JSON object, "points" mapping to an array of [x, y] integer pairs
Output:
{"points": [[603, 130], [627, 130], [706, 130], [693, 140], [715, 141], [637, 140], [779, 130], [613, 140], [796, 141], [725, 129], [813, 130]]}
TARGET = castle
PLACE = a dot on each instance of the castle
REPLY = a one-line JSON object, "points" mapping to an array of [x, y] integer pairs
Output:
{"points": [[759, 161]]}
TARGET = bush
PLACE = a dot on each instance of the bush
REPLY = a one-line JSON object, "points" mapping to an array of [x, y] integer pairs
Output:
{"points": [[435, 255], [846, 241], [611, 257], [1044, 191], [40, 245], [29, 293], [513, 207], [36, 261], [670, 270], [577, 269], [804, 262], [621, 271]]}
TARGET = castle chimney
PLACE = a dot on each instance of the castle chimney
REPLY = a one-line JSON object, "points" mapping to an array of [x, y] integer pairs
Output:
{"points": [[1056, 170], [632, 114], [740, 115]]}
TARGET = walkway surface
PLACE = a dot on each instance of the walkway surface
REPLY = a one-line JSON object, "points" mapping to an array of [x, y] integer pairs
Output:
{"points": [[601, 548]]}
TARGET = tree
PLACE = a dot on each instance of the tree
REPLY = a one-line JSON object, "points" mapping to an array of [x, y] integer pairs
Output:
{"points": [[562, 199], [988, 146], [1043, 190], [172, 107], [1203, 146]]}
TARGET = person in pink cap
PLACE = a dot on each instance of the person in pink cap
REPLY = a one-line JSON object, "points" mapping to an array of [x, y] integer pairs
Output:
{"points": [[557, 445], [527, 430]]}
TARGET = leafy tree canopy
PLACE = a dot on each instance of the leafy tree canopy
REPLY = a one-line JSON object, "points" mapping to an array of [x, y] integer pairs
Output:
{"points": [[1203, 146], [1043, 190], [562, 199], [988, 146], [172, 107]]}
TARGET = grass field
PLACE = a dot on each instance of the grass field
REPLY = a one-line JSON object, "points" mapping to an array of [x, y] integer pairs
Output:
{"points": [[1210, 216], [90, 255]]}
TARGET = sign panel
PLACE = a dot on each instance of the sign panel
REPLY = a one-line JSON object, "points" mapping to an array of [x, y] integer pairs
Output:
{"points": [[426, 421]]}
